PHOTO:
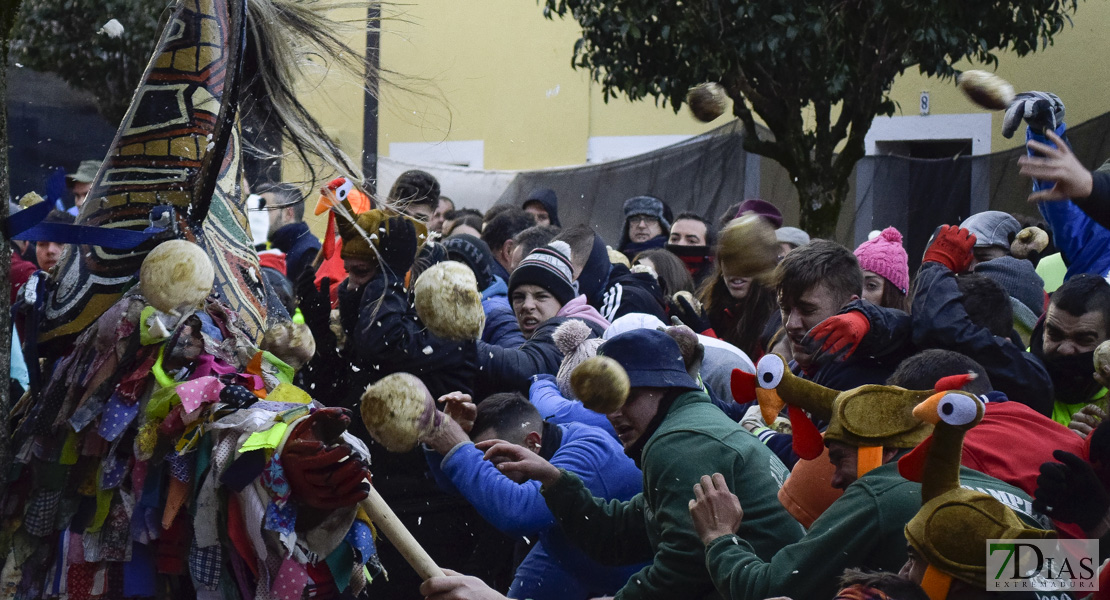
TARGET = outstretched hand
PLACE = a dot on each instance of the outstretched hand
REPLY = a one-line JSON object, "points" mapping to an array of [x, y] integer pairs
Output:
{"points": [[1058, 165], [454, 586], [716, 511], [512, 460]]}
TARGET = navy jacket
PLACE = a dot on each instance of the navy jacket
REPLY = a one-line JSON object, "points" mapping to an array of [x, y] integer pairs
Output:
{"points": [[940, 321], [299, 245], [511, 369]]}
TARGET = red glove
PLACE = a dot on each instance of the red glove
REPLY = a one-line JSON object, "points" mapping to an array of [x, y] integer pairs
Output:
{"points": [[839, 335], [952, 248], [322, 472]]}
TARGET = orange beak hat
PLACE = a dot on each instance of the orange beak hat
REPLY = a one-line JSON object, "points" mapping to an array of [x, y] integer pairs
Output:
{"points": [[339, 194], [952, 528], [870, 417]]}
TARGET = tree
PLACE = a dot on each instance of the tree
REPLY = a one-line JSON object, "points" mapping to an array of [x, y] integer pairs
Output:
{"points": [[815, 73], [7, 18], [60, 36]]}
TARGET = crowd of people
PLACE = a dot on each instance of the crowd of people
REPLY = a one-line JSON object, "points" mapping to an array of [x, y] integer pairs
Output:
{"points": [[773, 442]]}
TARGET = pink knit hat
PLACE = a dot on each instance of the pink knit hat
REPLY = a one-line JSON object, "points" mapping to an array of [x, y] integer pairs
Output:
{"points": [[885, 255]]}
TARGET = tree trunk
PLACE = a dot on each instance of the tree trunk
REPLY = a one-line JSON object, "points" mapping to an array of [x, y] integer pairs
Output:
{"points": [[819, 205], [8, 11]]}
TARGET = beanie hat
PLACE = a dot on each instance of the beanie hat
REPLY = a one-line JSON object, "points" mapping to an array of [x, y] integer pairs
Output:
{"points": [[572, 338], [651, 358], [473, 253], [1020, 280], [885, 255], [548, 267], [367, 229], [761, 208], [992, 228], [792, 235], [415, 187], [646, 205]]}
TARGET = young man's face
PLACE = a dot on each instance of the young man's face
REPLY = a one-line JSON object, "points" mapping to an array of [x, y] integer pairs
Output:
{"points": [[533, 306], [435, 223], [1067, 335], [799, 316], [688, 232], [48, 254], [642, 228], [80, 192], [631, 420], [359, 272], [420, 212], [537, 210]]}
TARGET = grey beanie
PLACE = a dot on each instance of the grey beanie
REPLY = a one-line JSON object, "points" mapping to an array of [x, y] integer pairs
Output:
{"points": [[992, 228], [646, 205], [1020, 280], [791, 235]]}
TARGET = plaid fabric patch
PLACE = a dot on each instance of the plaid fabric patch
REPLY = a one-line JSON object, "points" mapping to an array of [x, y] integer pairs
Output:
{"points": [[205, 565], [41, 512]]}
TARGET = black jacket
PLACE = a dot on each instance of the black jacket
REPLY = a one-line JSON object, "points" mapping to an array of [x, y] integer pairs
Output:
{"points": [[511, 369], [940, 321], [629, 292]]}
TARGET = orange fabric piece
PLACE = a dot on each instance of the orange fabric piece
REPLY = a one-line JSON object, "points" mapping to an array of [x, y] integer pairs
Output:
{"points": [[808, 491], [176, 495], [935, 583], [870, 457]]}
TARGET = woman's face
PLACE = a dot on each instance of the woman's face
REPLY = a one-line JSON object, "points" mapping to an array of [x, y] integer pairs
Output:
{"points": [[873, 286], [533, 305], [738, 287]]}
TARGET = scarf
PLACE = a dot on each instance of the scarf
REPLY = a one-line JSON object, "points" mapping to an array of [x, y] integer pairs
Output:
{"points": [[579, 308], [697, 259], [631, 249]]}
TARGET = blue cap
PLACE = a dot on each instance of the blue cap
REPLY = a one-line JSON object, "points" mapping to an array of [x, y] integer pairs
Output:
{"points": [[651, 358]]}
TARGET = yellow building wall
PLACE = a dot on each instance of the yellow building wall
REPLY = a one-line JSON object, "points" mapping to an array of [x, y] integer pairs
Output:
{"points": [[499, 71], [1075, 67]]}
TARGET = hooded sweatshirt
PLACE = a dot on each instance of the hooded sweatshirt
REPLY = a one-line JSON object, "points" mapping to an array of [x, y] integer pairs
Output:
{"points": [[550, 202]]}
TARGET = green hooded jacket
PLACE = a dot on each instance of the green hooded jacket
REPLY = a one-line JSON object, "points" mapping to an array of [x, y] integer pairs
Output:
{"points": [[864, 529], [694, 439]]}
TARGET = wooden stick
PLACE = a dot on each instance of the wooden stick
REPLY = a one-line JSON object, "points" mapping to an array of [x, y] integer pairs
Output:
{"points": [[384, 518]]}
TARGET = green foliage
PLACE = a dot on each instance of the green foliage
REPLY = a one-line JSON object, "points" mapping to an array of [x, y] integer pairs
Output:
{"points": [[60, 36], [777, 58]]}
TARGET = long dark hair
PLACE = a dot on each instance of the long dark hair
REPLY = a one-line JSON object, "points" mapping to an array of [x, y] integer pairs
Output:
{"points": [[738, 322], [893, 297], [670, 270]]}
